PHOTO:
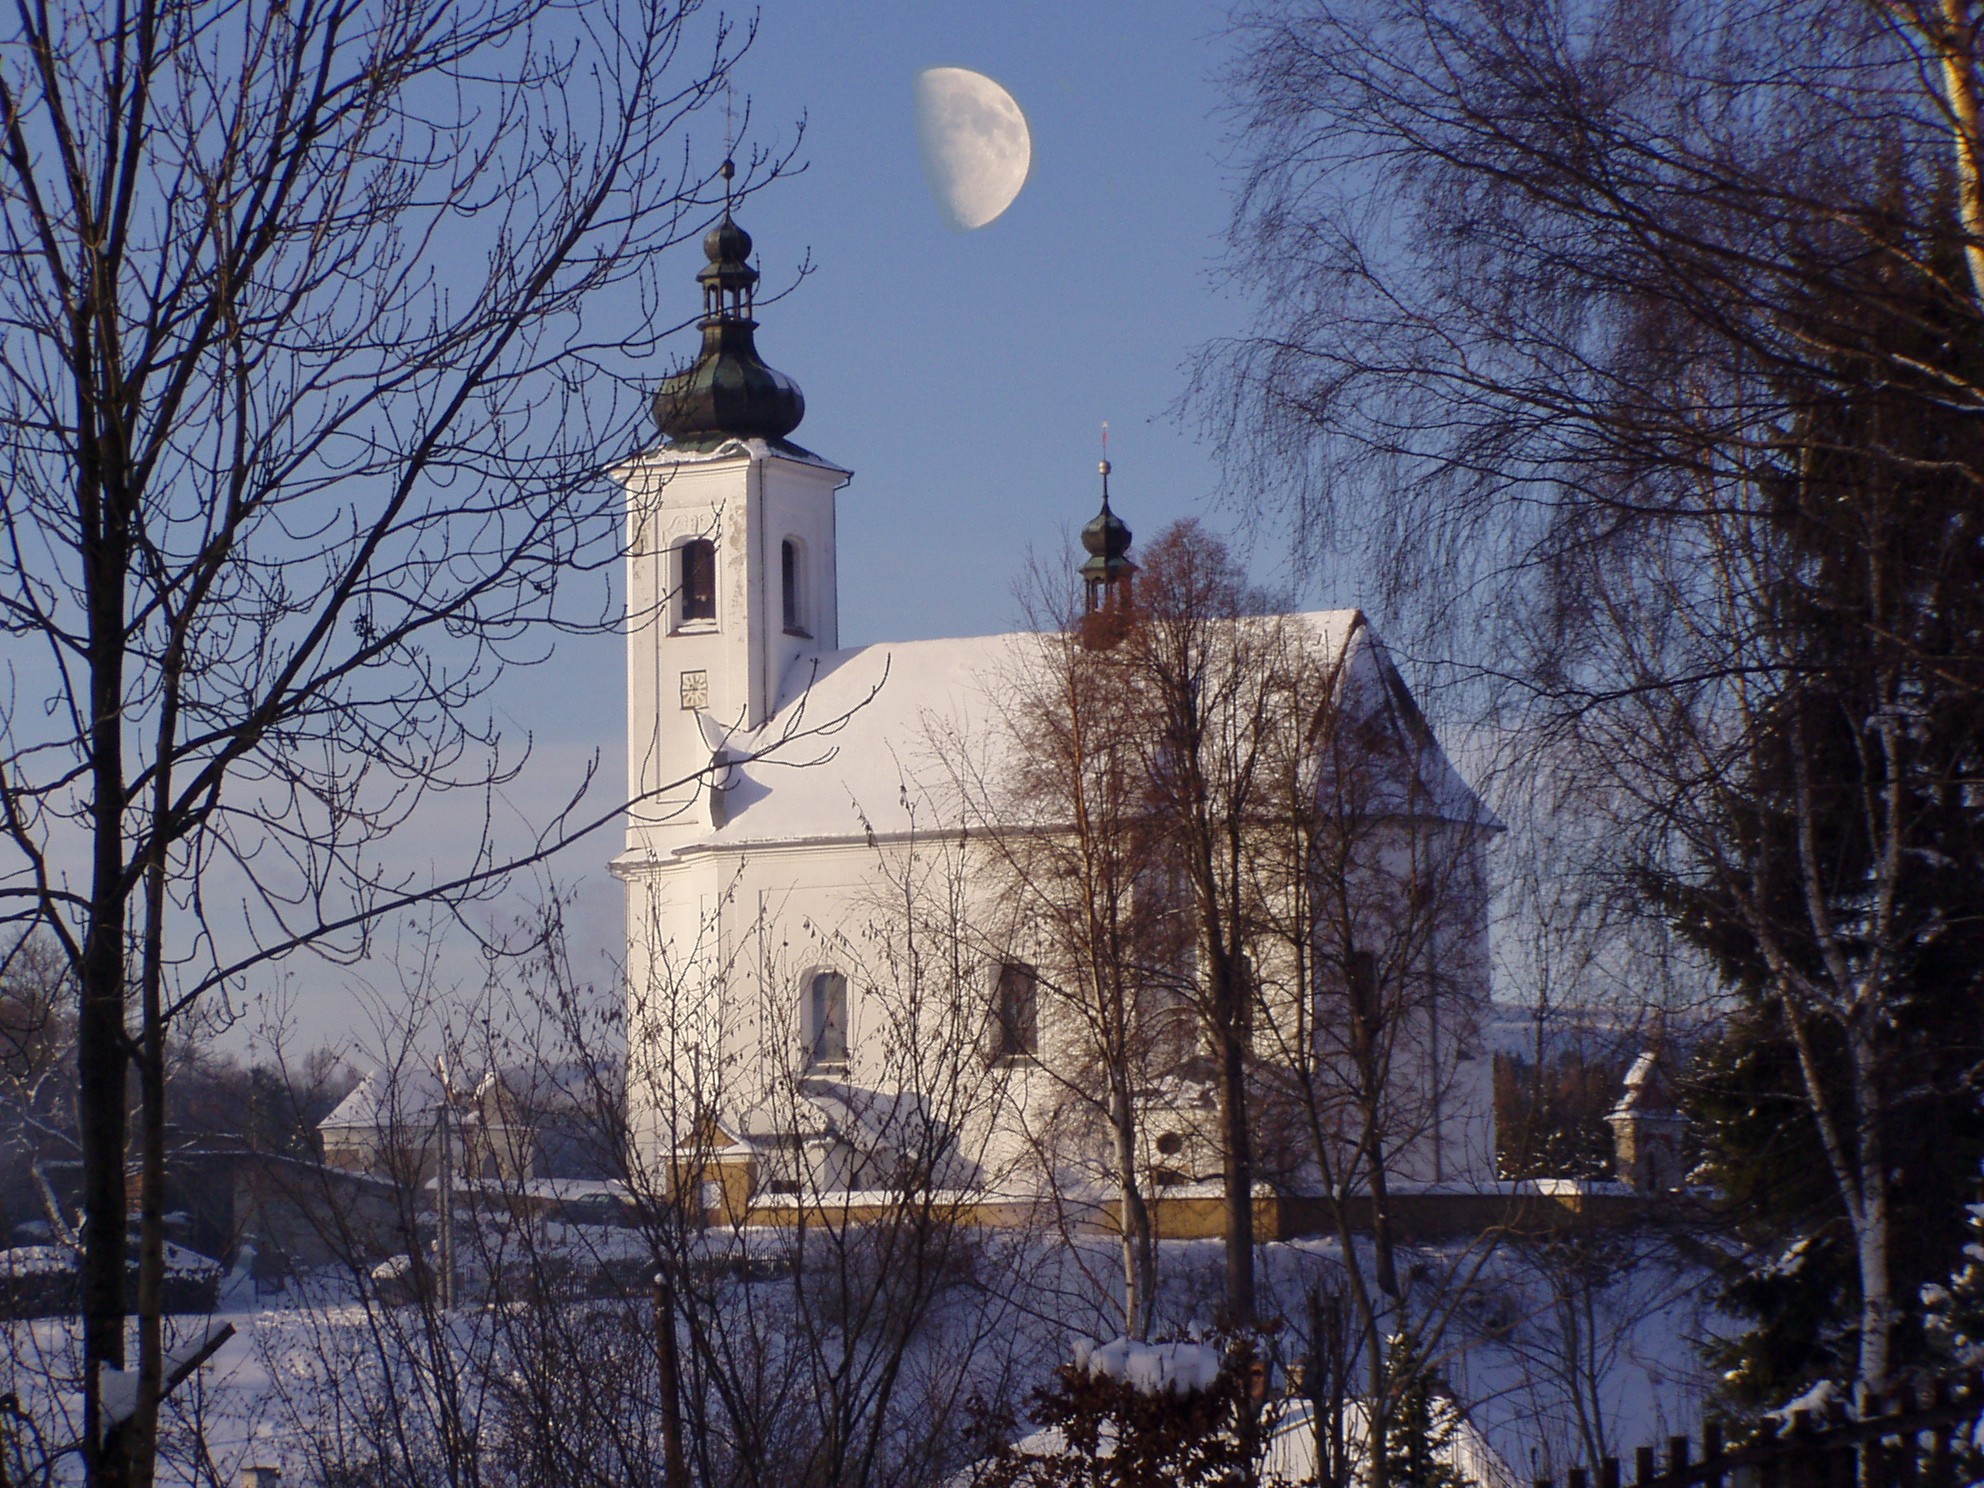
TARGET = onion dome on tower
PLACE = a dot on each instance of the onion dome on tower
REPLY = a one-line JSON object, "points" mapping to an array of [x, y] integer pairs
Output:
{"points": [[1107, 574], [727, 392]]}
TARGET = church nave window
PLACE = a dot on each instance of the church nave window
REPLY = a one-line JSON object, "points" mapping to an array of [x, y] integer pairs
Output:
{"points": [[695, 581], [826, 1018], [1016, 1012]]}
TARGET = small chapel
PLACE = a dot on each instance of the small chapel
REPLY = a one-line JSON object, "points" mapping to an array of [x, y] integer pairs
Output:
{"points": [[829, 991]]}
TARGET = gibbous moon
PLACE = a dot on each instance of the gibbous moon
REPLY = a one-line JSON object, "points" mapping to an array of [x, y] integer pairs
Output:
{"points": [[976, 147]]}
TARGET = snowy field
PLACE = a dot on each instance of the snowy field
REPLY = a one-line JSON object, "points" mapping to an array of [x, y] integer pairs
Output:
{"points": [[1557, 1355]]}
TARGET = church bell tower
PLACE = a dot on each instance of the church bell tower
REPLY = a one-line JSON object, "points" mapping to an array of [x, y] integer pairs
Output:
{"points": [[731, 572], [1108, 573]]}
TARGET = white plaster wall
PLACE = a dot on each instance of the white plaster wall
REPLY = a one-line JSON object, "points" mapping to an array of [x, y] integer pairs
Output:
{"points": [[747, 503], [726, 941], [722, 948]]}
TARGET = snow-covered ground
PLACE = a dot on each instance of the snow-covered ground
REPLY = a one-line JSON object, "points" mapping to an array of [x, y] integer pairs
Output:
{"points": [[1553, 1352]]}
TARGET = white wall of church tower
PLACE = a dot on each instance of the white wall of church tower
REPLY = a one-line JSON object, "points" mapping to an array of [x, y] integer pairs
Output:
{"points": [[693, 682]]}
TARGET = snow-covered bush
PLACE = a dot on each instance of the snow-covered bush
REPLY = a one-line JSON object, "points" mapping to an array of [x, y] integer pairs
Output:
{"points": [[1130, 1414]]}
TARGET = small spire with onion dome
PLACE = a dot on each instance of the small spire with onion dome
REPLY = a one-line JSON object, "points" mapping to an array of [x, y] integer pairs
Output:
{"points": [[1107, 575], [727, 392]]}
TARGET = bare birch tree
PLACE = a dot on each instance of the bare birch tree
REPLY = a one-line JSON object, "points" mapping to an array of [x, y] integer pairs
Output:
{"points": [[1653, 341]]}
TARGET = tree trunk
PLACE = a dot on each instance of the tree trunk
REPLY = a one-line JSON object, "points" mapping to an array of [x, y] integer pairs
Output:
{"points": [[1381, 1221], [1870, 1240], [675, 1465], [101, 1046], [1139, 1258], [1237, 1163], [1377, 1414], [1950, 28], [141, 1435], [100, 1119]]}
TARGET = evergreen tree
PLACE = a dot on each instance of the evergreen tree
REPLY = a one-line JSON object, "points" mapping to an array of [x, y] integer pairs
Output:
{"points": [[1953, 1312], [1793, 1278], [1422, 1428], [1836, 879]]}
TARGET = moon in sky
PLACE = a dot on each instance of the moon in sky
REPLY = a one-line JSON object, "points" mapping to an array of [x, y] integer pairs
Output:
{"points": [[976, 147]]}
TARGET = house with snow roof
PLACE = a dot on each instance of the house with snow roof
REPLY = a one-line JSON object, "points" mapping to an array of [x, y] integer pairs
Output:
{"points": [[508, 1125], [826, 991]]}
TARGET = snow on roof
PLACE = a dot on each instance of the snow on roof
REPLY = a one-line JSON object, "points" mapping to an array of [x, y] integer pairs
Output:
{"points": [[869, 726], [1430, 787], [37, 1260], [1642, 1071], [729, 449], [874, 768], [1646, 1092], [384, 1098]]}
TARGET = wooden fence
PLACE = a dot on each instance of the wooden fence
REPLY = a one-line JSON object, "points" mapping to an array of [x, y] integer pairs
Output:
{"points": [[1911, 1439]]}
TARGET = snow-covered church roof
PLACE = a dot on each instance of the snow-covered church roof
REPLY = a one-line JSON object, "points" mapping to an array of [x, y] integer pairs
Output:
{"points": [[865, 743]]}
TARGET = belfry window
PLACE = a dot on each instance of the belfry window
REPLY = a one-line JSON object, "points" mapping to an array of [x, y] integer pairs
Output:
{"points": [[792, 594], [826, 1018], [1016, 1012], [696, 581]]}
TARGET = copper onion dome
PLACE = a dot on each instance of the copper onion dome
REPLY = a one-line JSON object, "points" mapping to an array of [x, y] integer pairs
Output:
{"points": [[727, 392], [1107, 539], [1106, 577]]}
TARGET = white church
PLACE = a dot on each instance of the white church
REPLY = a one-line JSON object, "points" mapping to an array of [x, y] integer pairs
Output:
{"points": [[829, 992]]}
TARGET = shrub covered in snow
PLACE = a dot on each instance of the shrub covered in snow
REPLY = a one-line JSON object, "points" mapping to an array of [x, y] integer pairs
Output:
{"points": [[1177, 1368], [1136, 1415], [40, 1280]]}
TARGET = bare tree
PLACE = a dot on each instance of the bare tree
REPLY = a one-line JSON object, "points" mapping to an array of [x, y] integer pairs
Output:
{"points": [[304, 434], [1208, 710], [1369, 918], [810, 1188], [1213, 810], [712, 1310], [1654, 345], [1060, 813]]}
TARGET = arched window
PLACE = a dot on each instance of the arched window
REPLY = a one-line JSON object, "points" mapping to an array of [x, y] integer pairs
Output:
{"points": [[792, 587], [826, 1018], [1016, 1012], [695, 580]]}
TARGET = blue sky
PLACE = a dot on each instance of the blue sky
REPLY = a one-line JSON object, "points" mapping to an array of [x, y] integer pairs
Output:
{"points": [[963, 377]]}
